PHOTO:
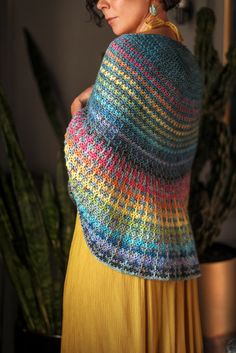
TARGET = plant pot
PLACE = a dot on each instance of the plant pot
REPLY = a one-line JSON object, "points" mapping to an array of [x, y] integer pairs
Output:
{"points": [[28, 342], [217, 290]]}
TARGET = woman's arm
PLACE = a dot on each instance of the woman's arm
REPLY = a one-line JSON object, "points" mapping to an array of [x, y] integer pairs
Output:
{"points": [[81, 100]]}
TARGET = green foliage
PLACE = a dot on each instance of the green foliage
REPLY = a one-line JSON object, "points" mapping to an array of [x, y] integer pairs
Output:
{"points": [[213, 182], [47, 88], [36, 227]]}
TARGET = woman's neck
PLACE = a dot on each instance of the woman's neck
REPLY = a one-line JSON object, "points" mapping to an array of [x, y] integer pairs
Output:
{"points": [[160, 25]]}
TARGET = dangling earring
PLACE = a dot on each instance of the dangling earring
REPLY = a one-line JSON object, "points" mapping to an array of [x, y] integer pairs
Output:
{"points": [[153, 10], [152, 20]]}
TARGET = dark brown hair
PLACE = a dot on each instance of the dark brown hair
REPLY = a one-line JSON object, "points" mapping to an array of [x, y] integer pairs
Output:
{"points": [[97, 16]]}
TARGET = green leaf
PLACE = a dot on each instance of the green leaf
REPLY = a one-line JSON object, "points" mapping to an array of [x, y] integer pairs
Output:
{"points": [[47, 88]]}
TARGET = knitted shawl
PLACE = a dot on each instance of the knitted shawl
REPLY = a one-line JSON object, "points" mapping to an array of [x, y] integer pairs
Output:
{"points": [[129, 154]]}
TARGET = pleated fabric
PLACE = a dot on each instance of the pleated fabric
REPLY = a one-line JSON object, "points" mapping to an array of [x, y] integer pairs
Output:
{"points": [[107, 311]]}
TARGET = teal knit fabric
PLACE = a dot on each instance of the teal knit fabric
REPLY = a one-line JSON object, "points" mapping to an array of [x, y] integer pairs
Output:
{"points": [[129, 154]]}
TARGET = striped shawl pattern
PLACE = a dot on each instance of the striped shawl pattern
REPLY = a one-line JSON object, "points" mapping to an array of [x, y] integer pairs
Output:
{"points": [[129, 154]]}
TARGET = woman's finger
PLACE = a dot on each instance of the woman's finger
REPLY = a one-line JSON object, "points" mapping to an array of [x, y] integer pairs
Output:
{"points": [[81, 100], [84, 96], [76, 105]]}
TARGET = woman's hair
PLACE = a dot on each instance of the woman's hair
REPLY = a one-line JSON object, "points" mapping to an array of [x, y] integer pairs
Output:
{"points": [[97, 16]]}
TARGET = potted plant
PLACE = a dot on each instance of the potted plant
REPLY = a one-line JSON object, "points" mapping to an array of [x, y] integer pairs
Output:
{"points": [[213, 189], [36, 225]]}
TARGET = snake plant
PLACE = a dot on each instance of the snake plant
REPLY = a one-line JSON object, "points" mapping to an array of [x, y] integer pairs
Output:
{"points": [[213, 182], [36, 224]]}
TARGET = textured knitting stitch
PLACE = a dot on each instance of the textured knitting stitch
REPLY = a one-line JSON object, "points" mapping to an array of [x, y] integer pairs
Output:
{"points": [[129, 154]]}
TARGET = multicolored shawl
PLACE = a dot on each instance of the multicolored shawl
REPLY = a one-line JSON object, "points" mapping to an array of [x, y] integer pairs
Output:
{"points": [[129, 154]]}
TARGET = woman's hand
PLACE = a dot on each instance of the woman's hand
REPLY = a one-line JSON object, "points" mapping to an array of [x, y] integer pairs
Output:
{"points": [[81, 100]]}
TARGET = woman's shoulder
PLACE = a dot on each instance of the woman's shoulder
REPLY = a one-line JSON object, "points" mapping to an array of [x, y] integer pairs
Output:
{"points": [[132, 49], [153, 46], [151, 53], [147, 40], [158, 48]]}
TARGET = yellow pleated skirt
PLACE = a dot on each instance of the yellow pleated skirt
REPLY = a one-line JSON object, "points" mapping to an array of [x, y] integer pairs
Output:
{"points": [[107, 311]]}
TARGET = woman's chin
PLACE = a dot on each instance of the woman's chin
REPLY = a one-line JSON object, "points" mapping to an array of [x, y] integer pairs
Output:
{"points": [[119, 32]]}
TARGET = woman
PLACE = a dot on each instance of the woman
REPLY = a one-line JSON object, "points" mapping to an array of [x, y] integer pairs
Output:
{"points": [[131, 281]]}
